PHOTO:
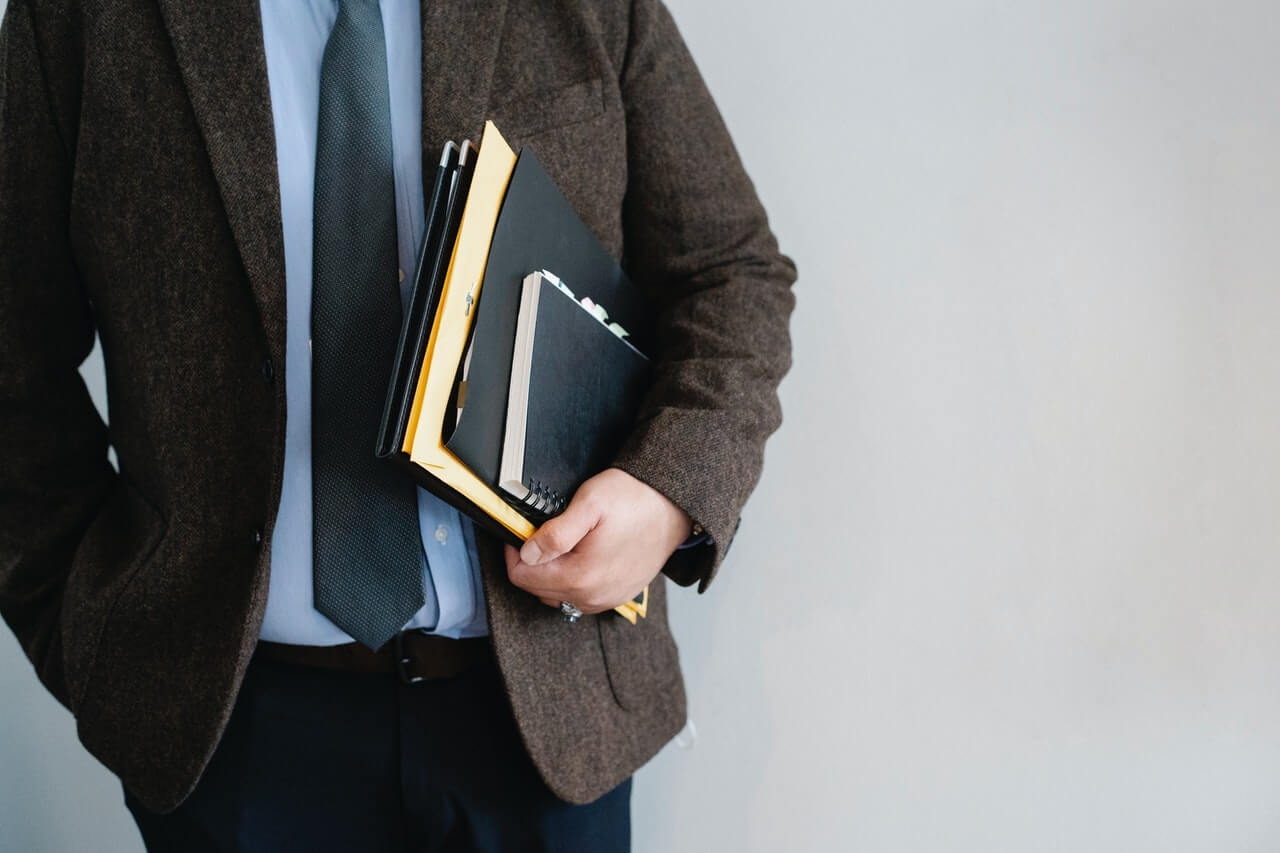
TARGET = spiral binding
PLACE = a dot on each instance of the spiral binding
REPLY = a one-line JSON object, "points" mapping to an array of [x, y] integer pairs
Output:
{"points": [[542, 498]]}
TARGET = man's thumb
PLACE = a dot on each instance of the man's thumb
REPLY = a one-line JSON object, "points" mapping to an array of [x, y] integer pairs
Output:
{"points": [[558, 535]]}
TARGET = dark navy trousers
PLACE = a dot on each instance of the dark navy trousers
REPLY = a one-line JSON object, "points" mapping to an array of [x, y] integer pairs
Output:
{"points": [[318, 760]]}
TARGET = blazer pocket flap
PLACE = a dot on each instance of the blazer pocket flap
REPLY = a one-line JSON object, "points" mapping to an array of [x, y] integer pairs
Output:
{"points": [[525, 115], [641, 659]]}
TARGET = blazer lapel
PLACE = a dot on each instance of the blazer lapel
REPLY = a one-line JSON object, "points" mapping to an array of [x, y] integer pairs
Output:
{"points": [[220, 52], [223, 62], [460, 42]]}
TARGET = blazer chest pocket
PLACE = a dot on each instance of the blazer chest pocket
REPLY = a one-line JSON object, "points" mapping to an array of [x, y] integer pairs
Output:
{"points": [[579, 134], [527, 115]]}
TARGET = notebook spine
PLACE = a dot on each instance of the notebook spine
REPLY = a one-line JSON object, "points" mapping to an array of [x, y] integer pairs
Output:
{"points": [[543, 499]]}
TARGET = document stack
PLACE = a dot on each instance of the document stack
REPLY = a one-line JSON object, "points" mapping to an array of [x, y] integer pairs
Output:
{"points": [[520, 365]]}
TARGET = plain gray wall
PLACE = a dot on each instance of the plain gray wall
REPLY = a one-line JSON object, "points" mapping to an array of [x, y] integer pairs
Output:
{"points": [[1009, 582]]}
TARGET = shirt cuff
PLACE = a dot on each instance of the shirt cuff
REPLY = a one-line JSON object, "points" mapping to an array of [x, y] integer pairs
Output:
{"points": [[696, 538]]}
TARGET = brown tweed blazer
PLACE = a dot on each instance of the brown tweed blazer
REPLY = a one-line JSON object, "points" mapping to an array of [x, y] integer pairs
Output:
{"points": [[138, 199]]}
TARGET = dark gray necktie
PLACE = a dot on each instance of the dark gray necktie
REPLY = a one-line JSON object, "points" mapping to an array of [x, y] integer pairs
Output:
{"points": [[368, 551]]}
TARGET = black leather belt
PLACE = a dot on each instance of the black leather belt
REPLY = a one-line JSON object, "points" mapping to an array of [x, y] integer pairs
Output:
{"points": [[411, 655]]}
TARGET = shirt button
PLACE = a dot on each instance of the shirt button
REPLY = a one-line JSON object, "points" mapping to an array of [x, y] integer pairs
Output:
{"points": [[442, 534], [268, 371], [402, 275]]}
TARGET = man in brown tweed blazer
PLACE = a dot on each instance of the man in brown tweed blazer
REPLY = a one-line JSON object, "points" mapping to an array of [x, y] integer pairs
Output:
{"points": [[139, 201]]}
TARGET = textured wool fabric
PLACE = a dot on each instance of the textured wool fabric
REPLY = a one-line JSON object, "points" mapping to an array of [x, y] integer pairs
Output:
{"points": [[138, 197], [367, 562]]}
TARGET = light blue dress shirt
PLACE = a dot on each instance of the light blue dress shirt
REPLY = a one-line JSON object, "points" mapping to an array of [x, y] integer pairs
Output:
{"points": [[295, 32]]}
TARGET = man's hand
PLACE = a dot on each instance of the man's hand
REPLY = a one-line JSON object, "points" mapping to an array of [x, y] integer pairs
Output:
{"points": [[612, 540]]}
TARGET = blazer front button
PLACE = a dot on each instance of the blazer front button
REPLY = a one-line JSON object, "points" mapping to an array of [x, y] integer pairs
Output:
{"points": [[268, 371], [257, 536]]}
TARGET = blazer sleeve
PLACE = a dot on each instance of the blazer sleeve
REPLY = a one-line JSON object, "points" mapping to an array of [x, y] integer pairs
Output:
{"points": [[55, 473], [695, 231]]}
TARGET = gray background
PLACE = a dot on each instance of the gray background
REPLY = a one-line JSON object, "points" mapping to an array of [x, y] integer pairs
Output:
{"points": [[1009, 581]]}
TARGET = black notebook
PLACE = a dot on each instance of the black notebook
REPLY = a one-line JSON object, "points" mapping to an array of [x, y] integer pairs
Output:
{"points": [[537, 229], [576, 383]]}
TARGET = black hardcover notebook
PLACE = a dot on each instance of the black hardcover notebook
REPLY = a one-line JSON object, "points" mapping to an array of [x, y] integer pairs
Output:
{"points": [[537, 229], [575, 387]]}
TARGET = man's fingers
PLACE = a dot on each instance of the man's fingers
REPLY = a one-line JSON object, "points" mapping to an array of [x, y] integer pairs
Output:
{"points": [[560, 534], [572, 577], [560, 579], [524, 576]]}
